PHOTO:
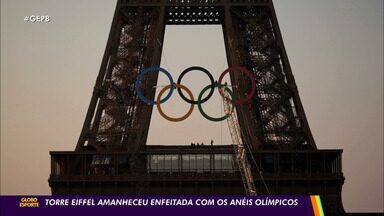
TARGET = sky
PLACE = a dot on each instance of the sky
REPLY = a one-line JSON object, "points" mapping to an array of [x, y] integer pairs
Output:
{"points": [[48, 70]]}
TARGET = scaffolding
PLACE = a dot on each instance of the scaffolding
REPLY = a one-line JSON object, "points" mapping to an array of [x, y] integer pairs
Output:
{"points": [[240, 150]]}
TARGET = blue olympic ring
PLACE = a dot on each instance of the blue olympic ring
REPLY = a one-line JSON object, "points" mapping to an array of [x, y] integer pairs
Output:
{"points": [[140, 77]]}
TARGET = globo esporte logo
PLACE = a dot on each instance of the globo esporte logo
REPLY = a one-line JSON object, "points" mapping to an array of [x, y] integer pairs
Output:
{"points": [[29, 202]]}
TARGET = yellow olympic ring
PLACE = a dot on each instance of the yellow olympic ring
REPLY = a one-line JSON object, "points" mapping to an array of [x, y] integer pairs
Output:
{"points": [[171, 118]]}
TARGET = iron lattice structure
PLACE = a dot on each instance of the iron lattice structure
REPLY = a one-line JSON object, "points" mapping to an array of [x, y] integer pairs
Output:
{"points": [[111, 156], [118, 119]]}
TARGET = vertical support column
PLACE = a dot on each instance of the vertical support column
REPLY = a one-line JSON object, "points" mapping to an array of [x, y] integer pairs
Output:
{"points": [[157, 39], [99, 81], [291, 80], [116, 118], [248, 125], [274, 119]]}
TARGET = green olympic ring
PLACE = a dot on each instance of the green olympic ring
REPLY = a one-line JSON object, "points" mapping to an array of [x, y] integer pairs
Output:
{"points": [[201, 108], [230, 100]]}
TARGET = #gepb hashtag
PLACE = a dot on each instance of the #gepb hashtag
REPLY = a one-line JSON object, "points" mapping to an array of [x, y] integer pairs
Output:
{"points": [[37, 18]]}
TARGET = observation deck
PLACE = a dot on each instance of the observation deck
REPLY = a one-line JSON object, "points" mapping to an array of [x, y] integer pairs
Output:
{"points": [[196, 170]]}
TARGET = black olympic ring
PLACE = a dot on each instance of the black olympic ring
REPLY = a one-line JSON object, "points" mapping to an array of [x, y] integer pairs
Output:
{"points": [[240, 101], [210, 78]]}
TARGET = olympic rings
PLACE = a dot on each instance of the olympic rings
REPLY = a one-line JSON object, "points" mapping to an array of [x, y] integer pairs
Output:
{"points": [[140, 77], [204, 71], [200, 100], [201, 108], [251, 77], [178, 86]]}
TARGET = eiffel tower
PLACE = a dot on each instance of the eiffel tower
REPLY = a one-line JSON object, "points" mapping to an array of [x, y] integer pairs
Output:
{"points": [[111, 155]]}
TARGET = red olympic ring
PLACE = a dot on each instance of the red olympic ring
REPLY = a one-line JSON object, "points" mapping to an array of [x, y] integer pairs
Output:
{"points": [[251, 77]]}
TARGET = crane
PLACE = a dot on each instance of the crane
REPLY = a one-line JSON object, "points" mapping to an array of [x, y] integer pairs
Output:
{"points": [[240, 151]]}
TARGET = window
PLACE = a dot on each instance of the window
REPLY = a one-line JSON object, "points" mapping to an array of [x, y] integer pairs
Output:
{"points": [[224, 163]]}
